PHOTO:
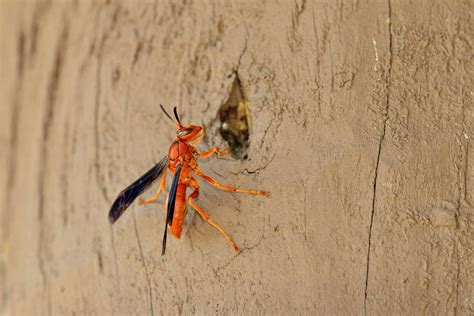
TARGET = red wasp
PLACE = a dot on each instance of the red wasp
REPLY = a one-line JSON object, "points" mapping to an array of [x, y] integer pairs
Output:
{"points": [[181, 162]]}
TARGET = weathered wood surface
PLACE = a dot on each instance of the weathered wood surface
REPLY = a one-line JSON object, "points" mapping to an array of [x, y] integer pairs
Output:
{"points": [[362, 124]]}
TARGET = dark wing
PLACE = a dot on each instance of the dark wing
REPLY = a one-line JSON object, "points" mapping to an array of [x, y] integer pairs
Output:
{"points": [[171, 205], [130, 193]]}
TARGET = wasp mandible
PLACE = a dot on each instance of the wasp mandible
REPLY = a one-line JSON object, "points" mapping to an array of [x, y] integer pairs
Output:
{"points": [[181, 163]]}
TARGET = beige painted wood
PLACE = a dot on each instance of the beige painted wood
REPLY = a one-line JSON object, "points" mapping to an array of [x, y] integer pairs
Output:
{"points": [[362, 120]]}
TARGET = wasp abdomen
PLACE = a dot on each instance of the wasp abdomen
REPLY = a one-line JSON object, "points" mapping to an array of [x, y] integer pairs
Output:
{"points": [[179, 211]]}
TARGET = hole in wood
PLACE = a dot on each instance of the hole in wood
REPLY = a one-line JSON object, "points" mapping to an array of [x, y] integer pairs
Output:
{"points": [[235, 121]]}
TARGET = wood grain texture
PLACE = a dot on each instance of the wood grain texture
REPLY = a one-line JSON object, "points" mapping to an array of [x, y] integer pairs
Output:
{"points": [[361, 125]]}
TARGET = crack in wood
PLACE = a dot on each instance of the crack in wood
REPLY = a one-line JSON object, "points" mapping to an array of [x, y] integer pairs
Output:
{"points": [[145, 268], [461, 194], [101, 185], [379, 151]]}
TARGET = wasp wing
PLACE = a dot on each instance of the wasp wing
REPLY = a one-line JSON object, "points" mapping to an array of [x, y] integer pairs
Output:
{"points": [[171, 205], [130, 193]]}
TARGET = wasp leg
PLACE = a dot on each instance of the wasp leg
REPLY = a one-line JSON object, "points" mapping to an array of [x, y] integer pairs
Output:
{"points": [[201, 212], [198, 171], [157, 194], [213, 150]]}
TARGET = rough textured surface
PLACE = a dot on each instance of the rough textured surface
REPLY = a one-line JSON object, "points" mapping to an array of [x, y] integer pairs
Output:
{"points": [[361, 125]]}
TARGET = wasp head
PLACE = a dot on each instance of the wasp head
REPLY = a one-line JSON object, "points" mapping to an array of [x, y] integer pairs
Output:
{"points": [[190, 133]]}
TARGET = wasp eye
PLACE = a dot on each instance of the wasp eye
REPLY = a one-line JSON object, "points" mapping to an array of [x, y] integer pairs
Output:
{"points": [[185, 131]]}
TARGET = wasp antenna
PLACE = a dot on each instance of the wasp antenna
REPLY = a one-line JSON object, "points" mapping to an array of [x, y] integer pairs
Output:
{"points": [[166, 113], [175, 110]]}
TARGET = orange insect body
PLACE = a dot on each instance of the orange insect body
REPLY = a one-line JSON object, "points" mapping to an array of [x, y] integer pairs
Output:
{"points": [[180, 150], [182, 153]]}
